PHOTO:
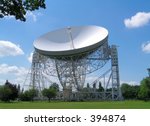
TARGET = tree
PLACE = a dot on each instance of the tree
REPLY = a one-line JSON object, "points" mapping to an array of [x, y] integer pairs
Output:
{"points": [[32, 94], [88, 85], [14, 90], [55, 86], [144, 92], [5, 93], [100, 88], [129, 91], [135, 91], [49, 93], [28, 95], [9, 92], [19, 8], [24, 96]]}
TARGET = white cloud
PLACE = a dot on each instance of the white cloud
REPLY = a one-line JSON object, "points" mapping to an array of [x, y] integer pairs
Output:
{"points": [[130, 82], [146, 47], [31, 15], [30, 57], [6, 69], [138, 20], [9, 17], [19, 75], [14, 74], [8, 48]]}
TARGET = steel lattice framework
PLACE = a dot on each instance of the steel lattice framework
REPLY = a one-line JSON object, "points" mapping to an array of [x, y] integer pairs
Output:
{"points": [[72, 70]]}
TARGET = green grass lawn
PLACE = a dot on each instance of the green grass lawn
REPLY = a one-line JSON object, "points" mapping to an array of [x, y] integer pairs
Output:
{"points": [[77, 105]]}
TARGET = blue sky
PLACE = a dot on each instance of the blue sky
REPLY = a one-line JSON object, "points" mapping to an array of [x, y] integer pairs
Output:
{"points": [[128, 23]]}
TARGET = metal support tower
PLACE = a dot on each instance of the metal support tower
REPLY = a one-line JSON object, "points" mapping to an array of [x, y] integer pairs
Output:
{"points": [[110, 79], [72, 71], [38, 79], [116, 92]]}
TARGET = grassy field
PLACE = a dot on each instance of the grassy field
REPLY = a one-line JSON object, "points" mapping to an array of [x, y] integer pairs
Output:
{"points": [[77, 105]]}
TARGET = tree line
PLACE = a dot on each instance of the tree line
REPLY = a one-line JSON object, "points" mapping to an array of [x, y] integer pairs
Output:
{"points": [[141, 91], [11, 92]]}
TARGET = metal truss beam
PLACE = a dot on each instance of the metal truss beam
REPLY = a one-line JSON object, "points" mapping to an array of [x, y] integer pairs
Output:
{"points": [[72, 70]]}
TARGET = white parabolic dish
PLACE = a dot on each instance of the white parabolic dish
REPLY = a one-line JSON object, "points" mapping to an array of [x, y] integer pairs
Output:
{"points": [[71, 40]]}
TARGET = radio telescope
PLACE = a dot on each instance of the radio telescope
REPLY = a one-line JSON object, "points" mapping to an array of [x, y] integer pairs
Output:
{"points": [[70, 54]]}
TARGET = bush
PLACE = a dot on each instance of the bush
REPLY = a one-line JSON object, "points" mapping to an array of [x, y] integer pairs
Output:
{"points": [[49, 93], [5, 93], [28, 95], [144, 92], [9, 92], [130, 91]]}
